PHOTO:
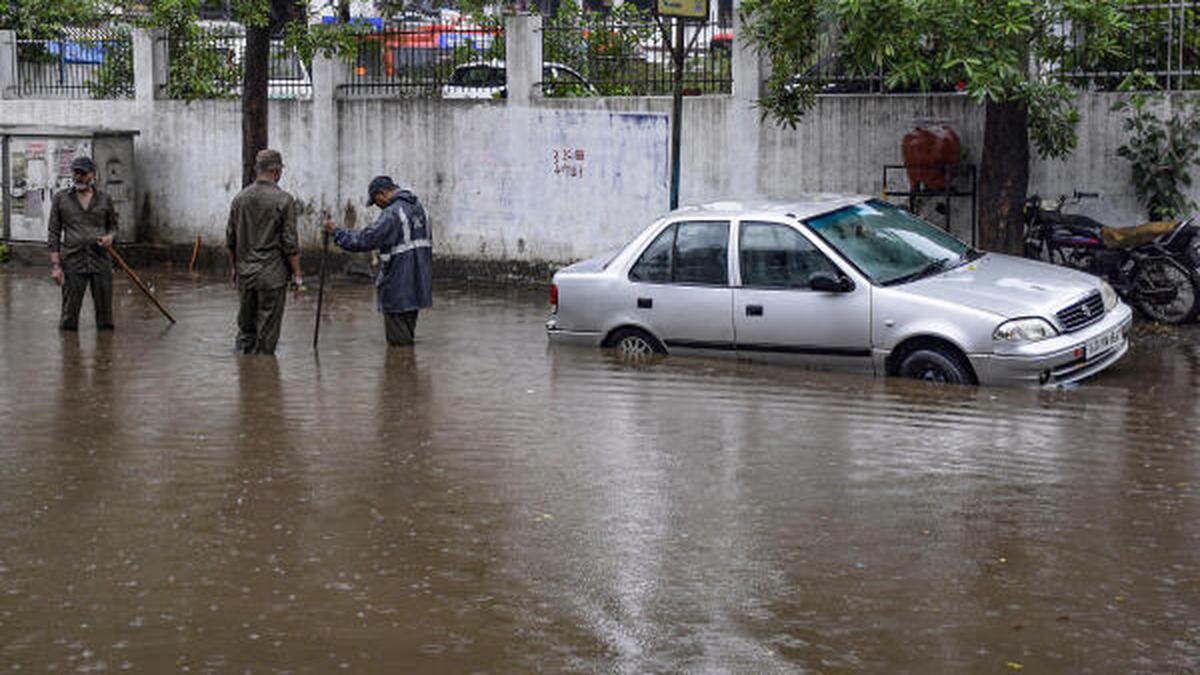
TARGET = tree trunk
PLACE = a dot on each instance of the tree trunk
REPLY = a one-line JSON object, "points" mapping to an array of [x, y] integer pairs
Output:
{"points": [[256, 64], [255, 79], [1003, 177]]}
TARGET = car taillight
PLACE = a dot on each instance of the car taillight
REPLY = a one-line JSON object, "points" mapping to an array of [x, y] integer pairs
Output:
{"points": [[554, 296]]}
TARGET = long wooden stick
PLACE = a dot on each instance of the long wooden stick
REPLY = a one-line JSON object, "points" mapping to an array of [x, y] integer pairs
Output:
{"points": [[321, 287], [195, 255], [137, 280]]}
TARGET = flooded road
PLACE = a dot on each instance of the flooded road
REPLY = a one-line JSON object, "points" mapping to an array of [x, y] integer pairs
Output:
{"points": [[484, 503]]}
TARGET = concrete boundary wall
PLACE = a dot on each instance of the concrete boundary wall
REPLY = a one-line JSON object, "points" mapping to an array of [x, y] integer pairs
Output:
{"points": [[532, 179]]}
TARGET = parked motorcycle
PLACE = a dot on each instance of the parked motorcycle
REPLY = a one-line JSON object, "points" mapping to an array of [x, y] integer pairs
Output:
{"points": [[1155, 267]]}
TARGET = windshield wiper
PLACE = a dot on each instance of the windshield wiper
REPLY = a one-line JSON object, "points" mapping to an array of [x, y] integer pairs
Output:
{"points": [[968, 256], [931, 267]]}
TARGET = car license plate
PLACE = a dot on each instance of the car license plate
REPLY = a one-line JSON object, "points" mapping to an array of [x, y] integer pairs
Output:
{"points": [[1100, 344]]}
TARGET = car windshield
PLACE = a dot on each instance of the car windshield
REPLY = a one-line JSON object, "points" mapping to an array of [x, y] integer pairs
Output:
{"points": [[888, 244]]}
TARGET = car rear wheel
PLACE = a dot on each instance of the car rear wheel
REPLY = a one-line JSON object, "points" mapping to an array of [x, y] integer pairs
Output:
{"points": [[935, 366], [635, 344]]}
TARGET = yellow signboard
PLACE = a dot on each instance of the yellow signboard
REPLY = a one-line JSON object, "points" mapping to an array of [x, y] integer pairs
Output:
{"points": [[683, 9]]}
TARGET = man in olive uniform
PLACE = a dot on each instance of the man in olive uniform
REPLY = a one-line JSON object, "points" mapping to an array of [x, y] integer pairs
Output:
{"points": [[402, 237], [83, 222], [263, 250]]}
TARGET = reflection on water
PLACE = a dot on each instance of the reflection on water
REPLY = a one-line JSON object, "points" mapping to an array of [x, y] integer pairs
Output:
{"points": [[483, 502]]}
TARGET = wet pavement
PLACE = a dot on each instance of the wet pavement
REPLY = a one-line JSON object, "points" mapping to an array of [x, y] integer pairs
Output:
{"points": [[485, 503]]}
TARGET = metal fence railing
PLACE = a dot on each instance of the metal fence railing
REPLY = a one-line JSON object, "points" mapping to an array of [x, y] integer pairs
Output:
{"points": [[210, 65], [78, 63], [424, 60], [602, 56], [1163, 43]]}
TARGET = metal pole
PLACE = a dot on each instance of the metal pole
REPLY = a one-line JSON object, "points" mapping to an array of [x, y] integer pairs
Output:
{"points": [[6, 185], [321, 287], [678, 54]]}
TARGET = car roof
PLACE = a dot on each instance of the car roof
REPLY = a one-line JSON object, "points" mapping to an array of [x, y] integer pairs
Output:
{"points": [[499, 64], [802, 207]]}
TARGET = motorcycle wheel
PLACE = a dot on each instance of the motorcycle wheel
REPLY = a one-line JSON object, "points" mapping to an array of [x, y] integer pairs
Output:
{"points": [[1166, 291]]}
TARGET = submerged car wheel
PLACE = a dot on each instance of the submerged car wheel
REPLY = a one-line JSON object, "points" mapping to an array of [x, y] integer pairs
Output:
{"points": [[635, 344], [935, 366]]}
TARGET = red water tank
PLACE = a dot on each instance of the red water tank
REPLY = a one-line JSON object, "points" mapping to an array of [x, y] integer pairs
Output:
{"points": [[931, 155]]}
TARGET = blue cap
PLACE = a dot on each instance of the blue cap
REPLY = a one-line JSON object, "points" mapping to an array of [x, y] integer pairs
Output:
{"points": [[379, 184], [83, 163]]}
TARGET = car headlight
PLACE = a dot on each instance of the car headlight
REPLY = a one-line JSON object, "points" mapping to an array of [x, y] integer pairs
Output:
{"points": [[1109, 295], [1024, 330]]}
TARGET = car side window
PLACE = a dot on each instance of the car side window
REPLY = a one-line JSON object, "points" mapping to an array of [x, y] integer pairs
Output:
{"points": [[655, 264], [773, 255], [702, 253]]}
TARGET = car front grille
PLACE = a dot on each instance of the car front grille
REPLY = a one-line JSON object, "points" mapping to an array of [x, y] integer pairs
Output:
{"points": [[1081, 314]]}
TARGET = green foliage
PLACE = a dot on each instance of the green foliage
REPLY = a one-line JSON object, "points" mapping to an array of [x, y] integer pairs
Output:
{"points": [[1052, 117], [605, 50], [5, 254], [44, 19], [329, 40], [994, 48], [204, 65], [114, 79], [787, 31], [1161, 150]]}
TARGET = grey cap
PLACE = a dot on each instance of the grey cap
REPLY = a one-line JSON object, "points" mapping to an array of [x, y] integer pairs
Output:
{"points": [[268, 160], [83, 163], [379, 184]]}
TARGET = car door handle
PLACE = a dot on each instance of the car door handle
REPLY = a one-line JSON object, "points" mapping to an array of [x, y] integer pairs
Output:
{"points": [[645, 303], [754, 310]]}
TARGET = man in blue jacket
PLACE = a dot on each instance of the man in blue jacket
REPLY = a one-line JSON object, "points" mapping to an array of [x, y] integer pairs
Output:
{"points": [[402, 237]]}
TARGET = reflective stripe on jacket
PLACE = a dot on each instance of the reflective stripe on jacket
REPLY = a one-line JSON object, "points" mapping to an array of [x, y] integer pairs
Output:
{"points": [[402, 237]]}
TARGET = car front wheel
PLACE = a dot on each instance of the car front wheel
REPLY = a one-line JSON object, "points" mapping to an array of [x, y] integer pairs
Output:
{"points": [[935, 366]]}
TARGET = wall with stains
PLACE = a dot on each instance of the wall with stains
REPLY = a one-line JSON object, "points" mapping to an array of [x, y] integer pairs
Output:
{"points": [[532, 179]]}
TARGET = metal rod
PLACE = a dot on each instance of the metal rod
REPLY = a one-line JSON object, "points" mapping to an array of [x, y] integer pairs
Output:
{"points": [[679, 53], [7, 187], [321, 287]]}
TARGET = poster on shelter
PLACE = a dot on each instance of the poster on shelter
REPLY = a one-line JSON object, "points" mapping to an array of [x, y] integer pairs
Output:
{"points": [[39, 167]]}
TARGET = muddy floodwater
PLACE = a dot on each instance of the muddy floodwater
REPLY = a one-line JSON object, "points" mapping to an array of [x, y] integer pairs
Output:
{"points": [[486, 503]]}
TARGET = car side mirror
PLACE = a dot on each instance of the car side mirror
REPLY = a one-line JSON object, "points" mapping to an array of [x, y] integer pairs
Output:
{"points": [[827, 282]]}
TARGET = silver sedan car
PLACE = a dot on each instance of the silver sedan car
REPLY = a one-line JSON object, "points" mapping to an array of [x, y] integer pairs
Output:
{"points": [[840, 282]]}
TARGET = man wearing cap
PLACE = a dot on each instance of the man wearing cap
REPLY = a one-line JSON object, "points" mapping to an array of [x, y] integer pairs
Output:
{"points": [[402, 237], [264, 250], [83, 222]]}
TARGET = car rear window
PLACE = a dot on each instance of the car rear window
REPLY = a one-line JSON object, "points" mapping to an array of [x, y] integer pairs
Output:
{"points": [[686, 253]]}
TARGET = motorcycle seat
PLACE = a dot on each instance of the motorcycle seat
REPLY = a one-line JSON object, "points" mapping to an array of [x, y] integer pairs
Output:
{"points": [[1140, 235], [1074, 221]]}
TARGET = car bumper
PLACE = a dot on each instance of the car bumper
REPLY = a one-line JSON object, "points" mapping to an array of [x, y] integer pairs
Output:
{"points": [[557, 335], [1059, 361]]}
